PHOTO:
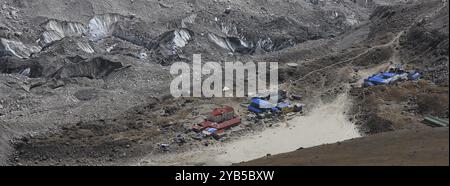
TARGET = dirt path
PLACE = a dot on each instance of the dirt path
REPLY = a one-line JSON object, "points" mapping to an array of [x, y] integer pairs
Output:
{"points": [[389, 44], [323, 125], [394, 42]]}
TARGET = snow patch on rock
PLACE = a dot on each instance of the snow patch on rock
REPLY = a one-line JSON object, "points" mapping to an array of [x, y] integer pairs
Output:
{"points": [[56, 30], [17, 48]]}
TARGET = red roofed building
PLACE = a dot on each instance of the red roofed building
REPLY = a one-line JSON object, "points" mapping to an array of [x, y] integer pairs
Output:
{"points": [[220, 118], [219, 115], [202, 126], [227, 124]]}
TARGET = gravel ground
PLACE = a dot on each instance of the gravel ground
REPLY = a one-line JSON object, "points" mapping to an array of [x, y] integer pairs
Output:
{"points": [[87, 82]]}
